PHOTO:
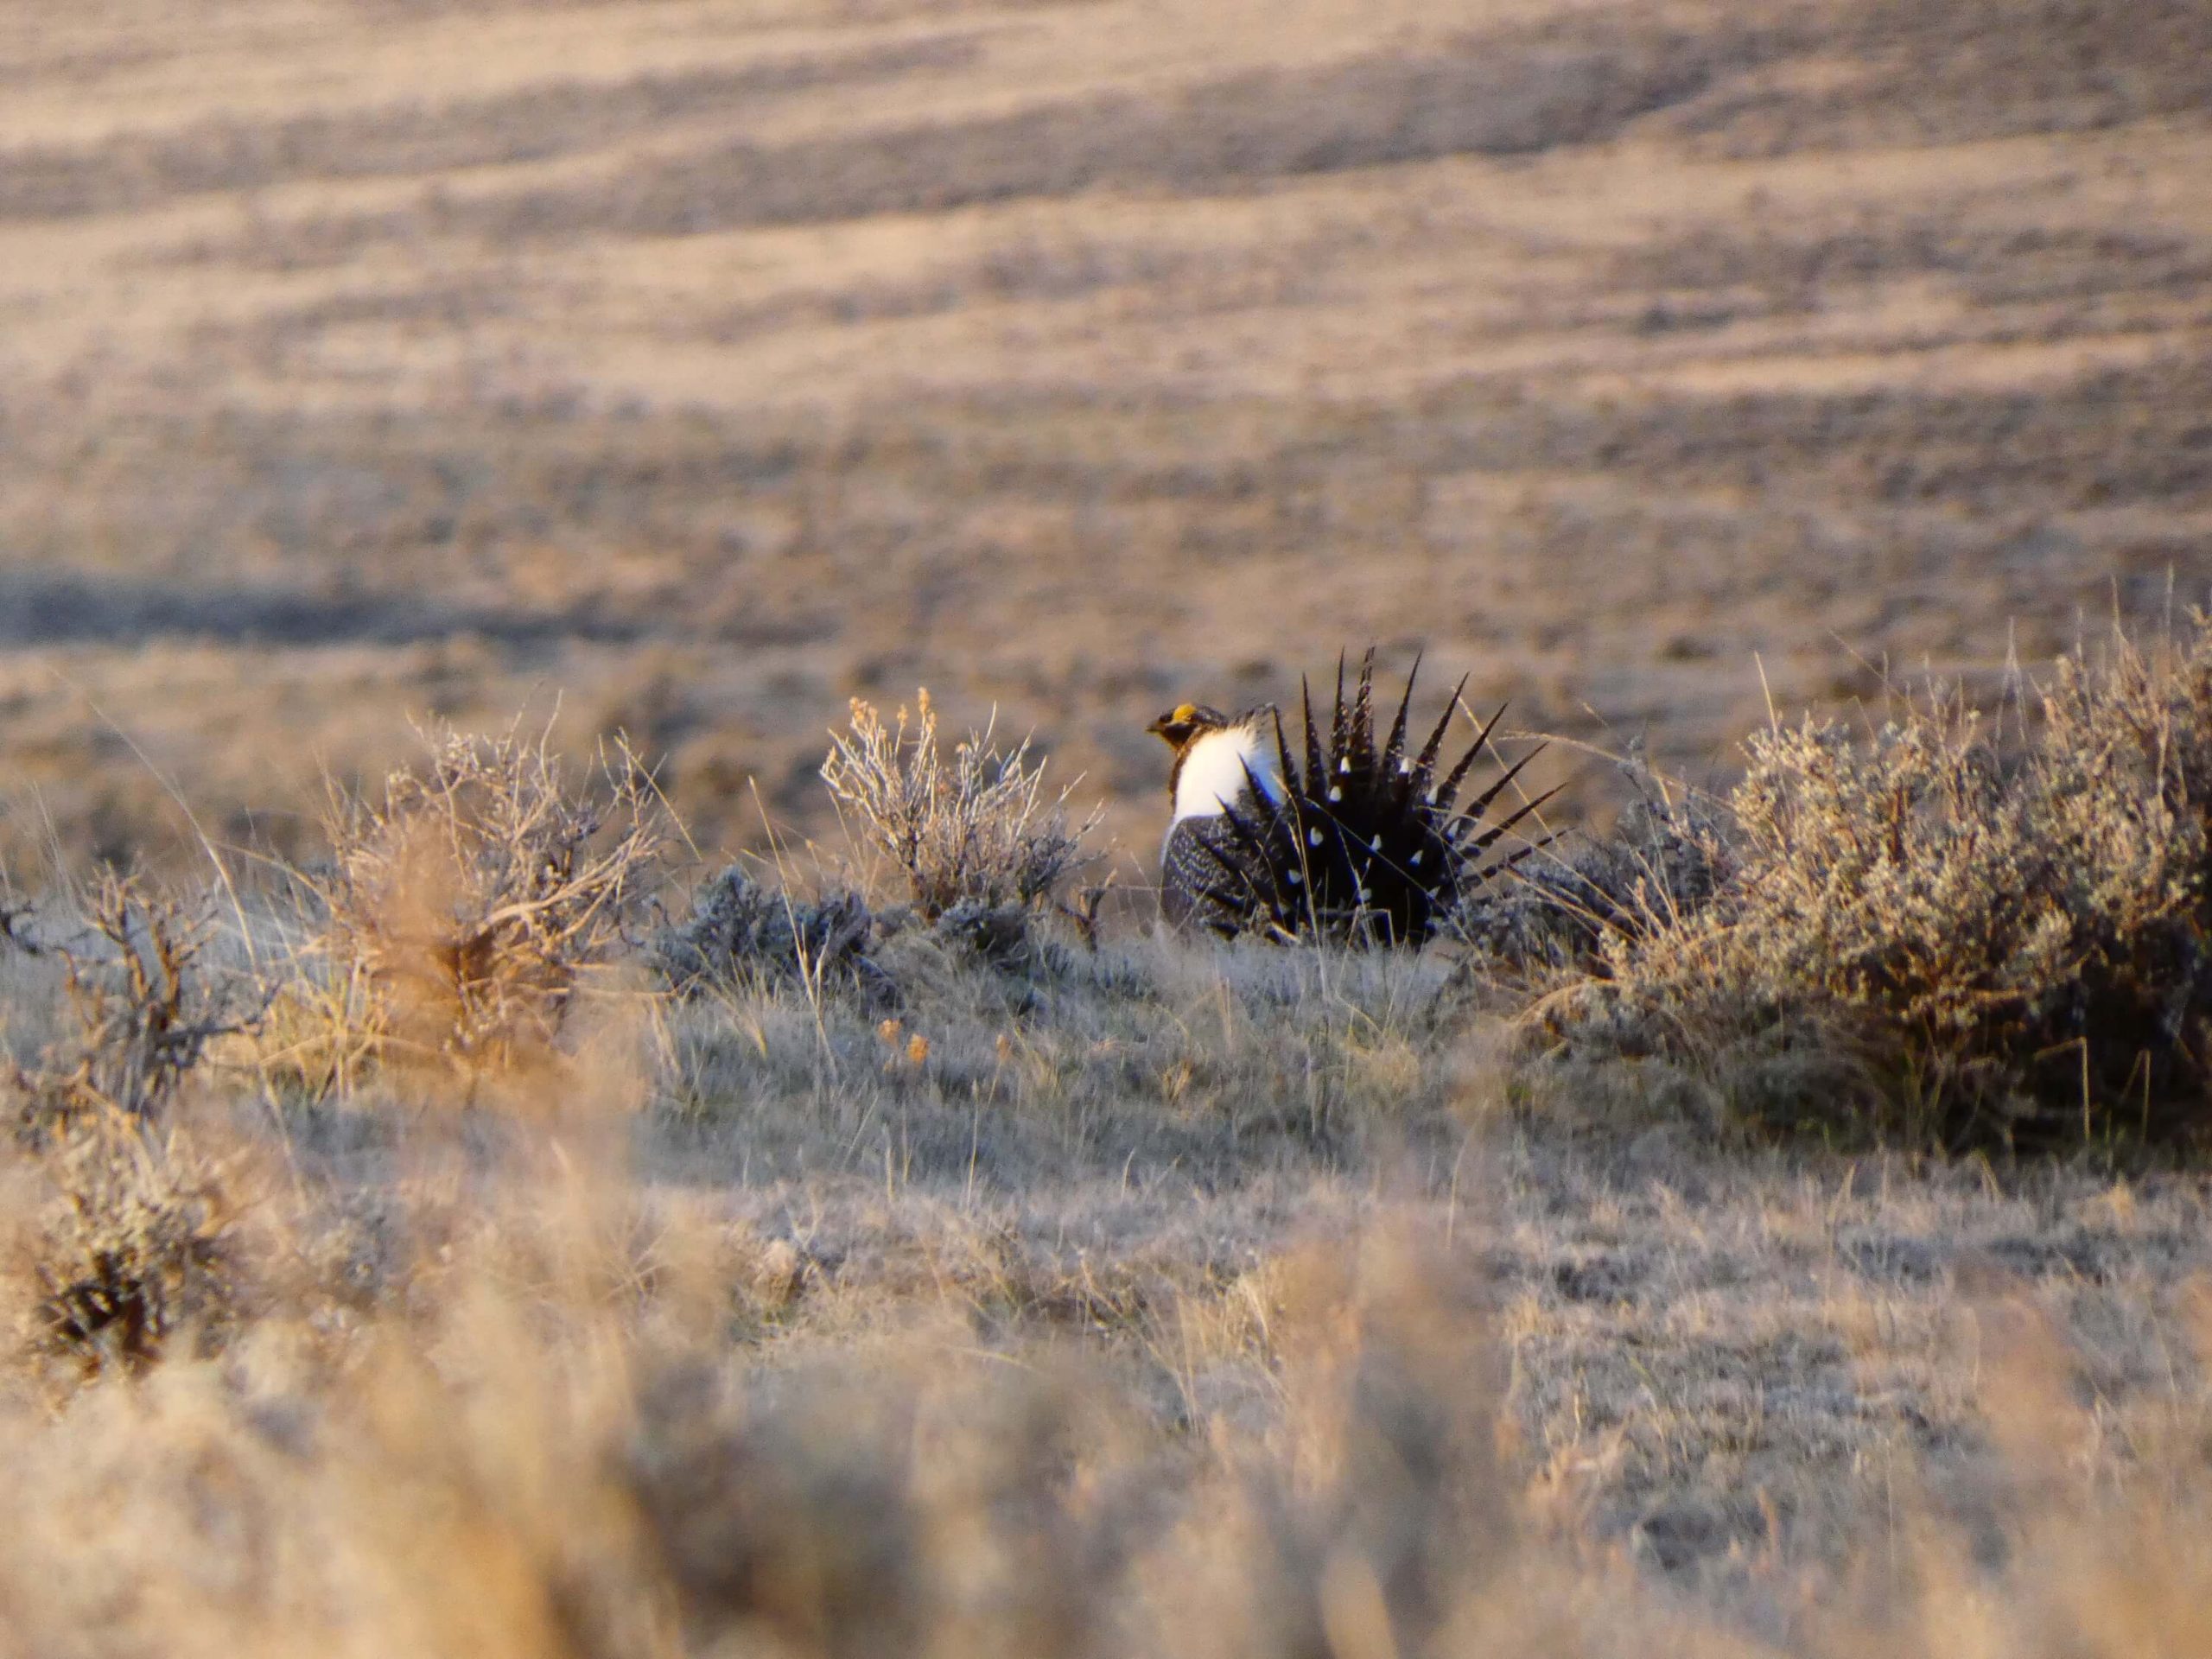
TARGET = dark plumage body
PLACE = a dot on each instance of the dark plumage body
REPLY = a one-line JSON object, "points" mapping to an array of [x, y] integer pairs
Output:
{"points": [[1191, 860]]}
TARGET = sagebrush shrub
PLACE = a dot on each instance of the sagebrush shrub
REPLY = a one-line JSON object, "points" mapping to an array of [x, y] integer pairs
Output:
{"points": [[2010, 939], [976, 827], [132, 1244], [1557, 909], [741, 928], [133, 1247], [141, 1014], [474, 895]]}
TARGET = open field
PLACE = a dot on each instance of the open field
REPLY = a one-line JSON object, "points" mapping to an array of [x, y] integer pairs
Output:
{"points": [[684, 370], [704, 365]]}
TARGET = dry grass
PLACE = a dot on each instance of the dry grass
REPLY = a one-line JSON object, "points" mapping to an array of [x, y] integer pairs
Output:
{"points": [[515, 1400]]}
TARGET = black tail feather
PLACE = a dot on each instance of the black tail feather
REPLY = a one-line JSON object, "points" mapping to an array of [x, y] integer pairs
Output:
{"points": [[1448, 792], [1360, 762], [1315, 765], [1424, 776], [1394, 752], [1506, 826], [1482, 802], [1339, 723]]}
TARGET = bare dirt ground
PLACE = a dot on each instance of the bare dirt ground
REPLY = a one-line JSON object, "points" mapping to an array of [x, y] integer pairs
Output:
{"points": [[706, 364]]}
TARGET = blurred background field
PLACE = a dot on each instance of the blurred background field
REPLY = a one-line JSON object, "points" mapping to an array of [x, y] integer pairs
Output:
{"points": [[693, 367]]}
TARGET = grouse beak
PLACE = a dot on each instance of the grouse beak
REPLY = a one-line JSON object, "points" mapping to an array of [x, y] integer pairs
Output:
{"points": [[1165, 728]]}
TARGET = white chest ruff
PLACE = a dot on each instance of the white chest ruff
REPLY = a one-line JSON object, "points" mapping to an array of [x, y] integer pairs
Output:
{"points": [[1219, 771]]}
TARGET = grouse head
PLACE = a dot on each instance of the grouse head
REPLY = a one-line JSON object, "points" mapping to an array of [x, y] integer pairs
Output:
{"points": [[1185, 721]]}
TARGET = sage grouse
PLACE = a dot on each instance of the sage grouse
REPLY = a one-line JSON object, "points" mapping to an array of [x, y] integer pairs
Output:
{"points": [[1354, 840]]}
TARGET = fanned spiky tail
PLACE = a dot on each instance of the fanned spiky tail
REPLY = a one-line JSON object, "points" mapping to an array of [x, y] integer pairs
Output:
{"points": [[1368, 844]]}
